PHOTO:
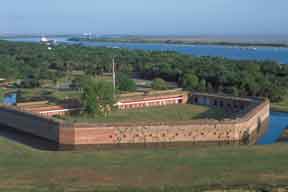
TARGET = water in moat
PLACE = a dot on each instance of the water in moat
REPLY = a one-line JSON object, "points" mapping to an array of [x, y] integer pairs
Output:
{"points": [[278, 123]]}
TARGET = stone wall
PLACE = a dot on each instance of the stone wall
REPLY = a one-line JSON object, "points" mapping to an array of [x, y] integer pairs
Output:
{"points": [[244, 128]]}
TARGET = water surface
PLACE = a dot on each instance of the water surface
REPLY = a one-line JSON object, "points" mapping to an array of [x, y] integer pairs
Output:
{"points": [[278, 123], [232, 52], [10, 99]]}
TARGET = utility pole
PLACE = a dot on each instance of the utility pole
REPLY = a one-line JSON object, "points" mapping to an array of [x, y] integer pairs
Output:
{"points": [[113, 76]]}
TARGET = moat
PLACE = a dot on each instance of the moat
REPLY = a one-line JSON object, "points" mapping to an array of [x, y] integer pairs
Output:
{"points": [[278, 122]]}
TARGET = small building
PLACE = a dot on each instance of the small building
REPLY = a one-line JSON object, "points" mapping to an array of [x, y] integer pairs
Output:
{"points": [[151, 101], [45, 109], [5, 83]]}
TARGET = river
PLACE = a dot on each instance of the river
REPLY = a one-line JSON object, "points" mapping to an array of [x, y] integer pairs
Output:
{"points": [[232, 52], [278, 121]]}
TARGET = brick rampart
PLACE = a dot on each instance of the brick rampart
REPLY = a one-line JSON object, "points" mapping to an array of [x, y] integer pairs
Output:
{"points": [[235, 130], [241, 128]]}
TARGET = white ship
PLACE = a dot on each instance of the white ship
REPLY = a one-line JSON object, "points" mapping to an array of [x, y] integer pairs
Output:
{"points": [[45, 40]]}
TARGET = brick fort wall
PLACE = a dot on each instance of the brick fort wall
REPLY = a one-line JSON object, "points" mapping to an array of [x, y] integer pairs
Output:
{"points": [[251, 117]]}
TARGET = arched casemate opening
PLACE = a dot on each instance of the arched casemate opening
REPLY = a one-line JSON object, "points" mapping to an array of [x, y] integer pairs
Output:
{"points": [[229, 104]]}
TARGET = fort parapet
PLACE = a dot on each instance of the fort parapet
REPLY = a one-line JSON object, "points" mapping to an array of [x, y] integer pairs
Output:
{"points": [[250, 120]]}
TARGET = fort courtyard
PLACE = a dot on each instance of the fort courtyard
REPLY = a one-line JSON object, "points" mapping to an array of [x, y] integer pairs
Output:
{"points": [[164, 117]]}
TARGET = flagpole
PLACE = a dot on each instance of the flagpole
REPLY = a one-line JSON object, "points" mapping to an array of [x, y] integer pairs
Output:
{"points": [[113, 76]]}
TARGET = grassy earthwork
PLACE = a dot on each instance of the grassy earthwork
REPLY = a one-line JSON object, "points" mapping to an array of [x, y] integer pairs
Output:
{"points": [[173, 169], [284, 136], [281, 106]]}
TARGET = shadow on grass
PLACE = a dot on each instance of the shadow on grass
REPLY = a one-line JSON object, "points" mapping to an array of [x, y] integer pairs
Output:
{"points": [[27, 139]]}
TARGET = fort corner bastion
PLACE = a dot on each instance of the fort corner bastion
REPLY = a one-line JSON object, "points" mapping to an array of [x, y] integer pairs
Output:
{"points": [[250, 120]]}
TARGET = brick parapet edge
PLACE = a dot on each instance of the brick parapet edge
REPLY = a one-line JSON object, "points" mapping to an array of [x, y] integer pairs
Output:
{"points": [[206, 130]]}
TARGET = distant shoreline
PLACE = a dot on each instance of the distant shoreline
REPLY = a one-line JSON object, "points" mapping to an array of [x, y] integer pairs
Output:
{"points": [[222, 41], [176, 41]]}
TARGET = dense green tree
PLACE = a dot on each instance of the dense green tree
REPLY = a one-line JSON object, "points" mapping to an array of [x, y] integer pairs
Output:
{"points": [[190, 81], [7, 67], [30, 83], [159, 84], [202, 85], [124, 83], [97, 96], [249, 78], [232, 91], [1, 95]]}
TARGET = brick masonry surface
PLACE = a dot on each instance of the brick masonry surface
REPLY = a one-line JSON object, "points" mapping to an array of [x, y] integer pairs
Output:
{"points": [[251, 117]]}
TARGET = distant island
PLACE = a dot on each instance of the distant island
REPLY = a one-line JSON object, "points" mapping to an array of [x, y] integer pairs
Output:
{"points": [[179, 40]]}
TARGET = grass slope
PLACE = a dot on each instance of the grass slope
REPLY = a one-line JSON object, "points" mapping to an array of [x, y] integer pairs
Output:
{"points": [[26, 169], [284, 136], [281, 106]]}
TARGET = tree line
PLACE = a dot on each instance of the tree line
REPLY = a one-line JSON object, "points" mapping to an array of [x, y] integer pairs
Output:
{"points": [[205, 74], [2, 94]]}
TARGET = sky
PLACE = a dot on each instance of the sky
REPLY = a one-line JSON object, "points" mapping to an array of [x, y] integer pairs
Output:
{"points": [[145, 17]]}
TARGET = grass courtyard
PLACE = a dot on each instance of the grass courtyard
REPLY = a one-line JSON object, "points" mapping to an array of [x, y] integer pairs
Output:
{"points": [[179, 169], [168, 113]]}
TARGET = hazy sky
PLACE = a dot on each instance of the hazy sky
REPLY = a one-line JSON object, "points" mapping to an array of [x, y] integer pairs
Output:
{"points": [[182, 17]]}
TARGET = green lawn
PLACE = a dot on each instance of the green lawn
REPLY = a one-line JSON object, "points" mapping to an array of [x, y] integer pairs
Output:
{"points": [[48, 92], [281, 106], [66, 94], [25, 169], [284, 136], [156, 114]]}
